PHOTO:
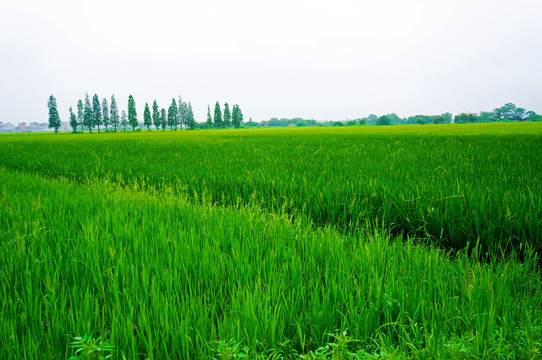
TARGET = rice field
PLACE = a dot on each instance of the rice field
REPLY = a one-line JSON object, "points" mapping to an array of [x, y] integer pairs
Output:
{"points": [[351, 243]]}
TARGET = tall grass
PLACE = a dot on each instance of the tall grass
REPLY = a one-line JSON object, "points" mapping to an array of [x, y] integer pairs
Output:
{"points": [[453, 184], [163, 275]]}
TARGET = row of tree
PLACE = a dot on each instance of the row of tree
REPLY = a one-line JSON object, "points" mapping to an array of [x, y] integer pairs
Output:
{"points": [[179, 114], [506, 113], [226, 119], [93, 114]]}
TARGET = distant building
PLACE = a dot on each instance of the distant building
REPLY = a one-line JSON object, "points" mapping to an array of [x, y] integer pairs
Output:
{"points": [[6, 127], [38, 127], [22, 127]]}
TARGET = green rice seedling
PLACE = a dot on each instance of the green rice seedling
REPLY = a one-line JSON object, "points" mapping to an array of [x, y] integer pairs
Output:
{"points": [[229, 350], [167, 274], [451, 184], [87, 347]]}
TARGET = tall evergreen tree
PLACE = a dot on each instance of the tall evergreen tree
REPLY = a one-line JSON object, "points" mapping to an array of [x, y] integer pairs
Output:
{"points": [[54, 117], [191, 121], [124, 120], [132, 113], [88, 115], [80, 113], [114, 115], [218, 116], [180, 113], [73, 120], [209, 119], [147, 119], [234, 116], [163, 119], [227, 115], [105, 114], [185, 114], [172, 115], [156, 115], [97, 111]]}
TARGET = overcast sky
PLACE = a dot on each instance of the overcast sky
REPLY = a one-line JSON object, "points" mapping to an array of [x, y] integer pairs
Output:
{"points": [[284, 58]]}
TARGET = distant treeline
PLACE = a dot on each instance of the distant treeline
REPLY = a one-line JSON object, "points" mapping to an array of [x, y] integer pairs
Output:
{"points": [[93, 114], [506, 113]]}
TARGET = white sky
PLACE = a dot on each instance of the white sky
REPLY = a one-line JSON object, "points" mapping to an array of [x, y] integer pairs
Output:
{"points": [[308, 58]]}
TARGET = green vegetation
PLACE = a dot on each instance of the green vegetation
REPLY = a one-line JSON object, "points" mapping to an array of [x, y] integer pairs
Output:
{"points": [[88, 114], [147, 119], [114, 113], [336, 243], [132, 113], [97, 111], [217, 119], [73, 120], [105, 114], [179, 114], [237, 116], [54, 118], [227, 115], [454, 185], [81, 111], [156, 120], [172, 114], [506, 113]]}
